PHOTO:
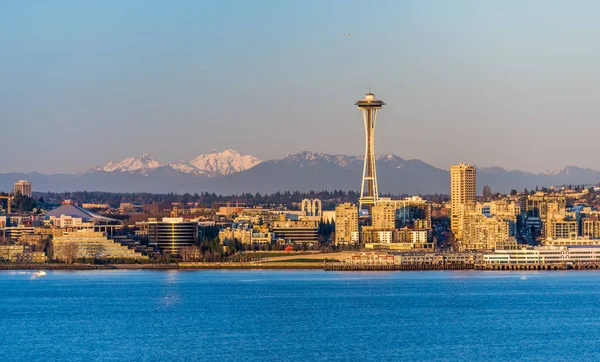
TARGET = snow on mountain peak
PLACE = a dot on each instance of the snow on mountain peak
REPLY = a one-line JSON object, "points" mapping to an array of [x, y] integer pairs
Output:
{"points": [[142, 164], [223, 163], [210, 164], [217, 163], [554, 172]]}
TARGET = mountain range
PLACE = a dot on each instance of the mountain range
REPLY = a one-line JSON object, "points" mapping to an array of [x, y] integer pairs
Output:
{"points": [[210, 164], [229, 172]]}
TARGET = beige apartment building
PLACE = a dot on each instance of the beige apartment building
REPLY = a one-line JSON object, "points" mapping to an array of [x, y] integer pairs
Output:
{"points": [[485, 225], [346, 224], [561, 225], [483, 233], [244, 236], [383, 217], [590, 227], [499, 208], [411, 210], [462, 190]]}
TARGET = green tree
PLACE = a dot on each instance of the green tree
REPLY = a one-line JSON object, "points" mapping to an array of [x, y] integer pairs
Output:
{"points": [[22, 203]]}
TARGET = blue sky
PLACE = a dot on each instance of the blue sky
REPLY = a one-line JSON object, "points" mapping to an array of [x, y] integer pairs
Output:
{"points": [[494, 83]]}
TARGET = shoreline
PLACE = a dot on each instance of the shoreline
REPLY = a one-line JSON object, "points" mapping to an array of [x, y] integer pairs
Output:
{"points": [[299, 266]]}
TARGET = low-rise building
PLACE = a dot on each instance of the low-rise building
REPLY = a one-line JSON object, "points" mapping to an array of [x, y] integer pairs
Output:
{"points": [[481, 232], [172, 234], [66, 221], [261, 237], [243, 236], [412, 257], [545, 255], [21, 254], [571, 242], [397, 239], [157, 208], [590, 227], [95, 206], [560, 225], [88, 244], [297, 231], [426, 246], [15, 232]]}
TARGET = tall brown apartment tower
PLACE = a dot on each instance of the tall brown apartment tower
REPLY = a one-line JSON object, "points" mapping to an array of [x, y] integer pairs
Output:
{"points": [[462, 191]]}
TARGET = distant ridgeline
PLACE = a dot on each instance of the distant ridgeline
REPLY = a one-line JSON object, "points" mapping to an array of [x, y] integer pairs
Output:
{"points": [[229, 173]]}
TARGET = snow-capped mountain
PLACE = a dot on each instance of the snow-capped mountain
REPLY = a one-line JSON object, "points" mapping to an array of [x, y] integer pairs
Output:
{"points": [[140, 164], [228, 172], [553, 172], [217, 163], [307, 158], [210, 164]]}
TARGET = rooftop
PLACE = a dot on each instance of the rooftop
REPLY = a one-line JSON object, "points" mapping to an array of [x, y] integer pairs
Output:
{"points": [[78, 212]]}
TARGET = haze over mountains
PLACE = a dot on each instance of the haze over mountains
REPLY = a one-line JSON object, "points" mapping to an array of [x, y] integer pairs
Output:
{"points": [[229, 172]]}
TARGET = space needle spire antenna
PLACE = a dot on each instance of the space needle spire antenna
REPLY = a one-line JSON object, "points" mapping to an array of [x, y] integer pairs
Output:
{"points": [[369, 194]]}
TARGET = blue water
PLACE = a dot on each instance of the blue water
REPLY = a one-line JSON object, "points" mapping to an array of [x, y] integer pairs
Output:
{"points": [[299, 316]]}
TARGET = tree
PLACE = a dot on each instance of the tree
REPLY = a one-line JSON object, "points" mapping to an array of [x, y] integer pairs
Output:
{"points": [[23, 203], [67, 252], [191, 253], [100, 252], [3, 240]]}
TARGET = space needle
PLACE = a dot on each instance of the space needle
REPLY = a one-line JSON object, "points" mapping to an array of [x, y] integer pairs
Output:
{"points": [[369, 195]]}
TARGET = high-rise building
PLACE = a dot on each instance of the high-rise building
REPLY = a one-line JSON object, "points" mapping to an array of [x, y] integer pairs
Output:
{"points": [[462, 191], [346, 224], [369, 194], [383, 217], [413, 211], [487, 192], [23, 187]]}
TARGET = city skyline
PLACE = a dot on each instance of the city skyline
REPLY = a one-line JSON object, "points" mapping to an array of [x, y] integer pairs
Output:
{"points": [[131, 71], [180, 180]]}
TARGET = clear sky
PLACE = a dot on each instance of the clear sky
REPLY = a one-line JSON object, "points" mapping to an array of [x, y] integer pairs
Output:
{"points": [[494, 83]]}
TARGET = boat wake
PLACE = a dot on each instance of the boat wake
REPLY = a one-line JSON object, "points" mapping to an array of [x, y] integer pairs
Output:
{"points": [[33, 275]]}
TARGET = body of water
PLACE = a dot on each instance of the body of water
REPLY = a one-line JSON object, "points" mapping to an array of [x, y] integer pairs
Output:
{"points": [[264, 315]]}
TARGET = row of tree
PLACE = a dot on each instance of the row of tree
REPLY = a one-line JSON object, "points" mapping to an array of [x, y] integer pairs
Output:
{"points": [[289, 199]]}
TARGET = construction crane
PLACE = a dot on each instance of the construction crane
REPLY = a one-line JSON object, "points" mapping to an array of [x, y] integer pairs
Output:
{"points": [[8, 200]]}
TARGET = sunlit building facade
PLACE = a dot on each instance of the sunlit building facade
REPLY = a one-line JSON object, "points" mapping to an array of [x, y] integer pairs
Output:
{"points": [[23, 187], [462, 190], [172, 234]]}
